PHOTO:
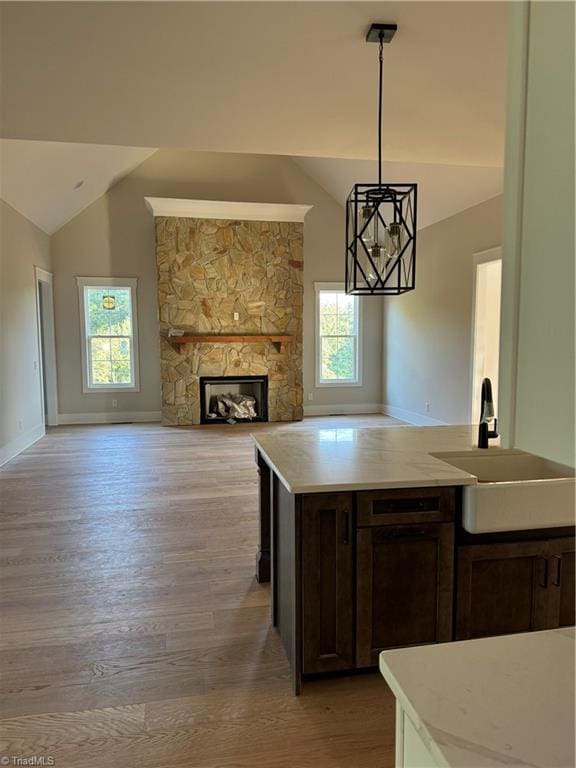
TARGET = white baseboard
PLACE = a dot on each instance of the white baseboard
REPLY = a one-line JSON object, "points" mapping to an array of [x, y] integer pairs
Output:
{"points": [[342, 409], [411, 417], [14, 447], [110, 417]]}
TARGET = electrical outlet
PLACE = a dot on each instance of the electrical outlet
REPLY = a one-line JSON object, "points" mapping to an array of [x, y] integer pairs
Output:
{"points": [[426, 407], [310, 395], [236, 315], [114, 403]]}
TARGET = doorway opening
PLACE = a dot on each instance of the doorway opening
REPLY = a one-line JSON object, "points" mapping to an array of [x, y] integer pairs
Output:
{"points": [[486, 325], [46, 346]]}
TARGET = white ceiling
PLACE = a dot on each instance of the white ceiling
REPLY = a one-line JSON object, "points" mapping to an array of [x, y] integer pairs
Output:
{"points": [[443, 190], [93, 85], [38, 178], [293, 78]]}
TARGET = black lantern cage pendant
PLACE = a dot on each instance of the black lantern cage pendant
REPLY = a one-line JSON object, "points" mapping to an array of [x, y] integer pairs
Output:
{"points": [[381, 219]]}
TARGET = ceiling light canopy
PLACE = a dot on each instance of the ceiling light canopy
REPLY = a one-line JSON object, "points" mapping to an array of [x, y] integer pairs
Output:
{"points": [[381, 218]]}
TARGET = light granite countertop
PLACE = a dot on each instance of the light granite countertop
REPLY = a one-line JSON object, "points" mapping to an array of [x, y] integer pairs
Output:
{"points": [[497, 701], [349, 459]]}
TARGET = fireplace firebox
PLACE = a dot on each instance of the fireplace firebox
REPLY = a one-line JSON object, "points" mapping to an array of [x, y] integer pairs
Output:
{"points": [[233, 399]]}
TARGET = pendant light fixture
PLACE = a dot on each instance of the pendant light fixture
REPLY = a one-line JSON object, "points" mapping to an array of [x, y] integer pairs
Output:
{"points": [[381, 218]]}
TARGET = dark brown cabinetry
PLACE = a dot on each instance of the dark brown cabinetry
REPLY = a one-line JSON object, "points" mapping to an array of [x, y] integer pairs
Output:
{"points": [[264, 489], [355, 573], [514, 587], [374, 584], [404, 582], [561, 598], [327, 583], [404, 506]]}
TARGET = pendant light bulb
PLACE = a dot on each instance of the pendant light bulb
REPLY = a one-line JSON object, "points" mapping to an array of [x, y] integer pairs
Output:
{"points": [[366, 226], [380, 258], [394, 232]]}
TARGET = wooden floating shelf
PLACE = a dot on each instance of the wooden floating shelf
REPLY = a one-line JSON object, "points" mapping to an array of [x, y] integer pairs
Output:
{"points": [[215, 338]]}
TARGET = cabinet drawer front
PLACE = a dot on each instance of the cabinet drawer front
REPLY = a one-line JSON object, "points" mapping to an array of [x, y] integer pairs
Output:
{"points": [[412, 505]]}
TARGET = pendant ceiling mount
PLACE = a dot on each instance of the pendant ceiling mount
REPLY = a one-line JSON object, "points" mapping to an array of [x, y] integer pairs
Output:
{"points": [[384, 32], [381, 218]]}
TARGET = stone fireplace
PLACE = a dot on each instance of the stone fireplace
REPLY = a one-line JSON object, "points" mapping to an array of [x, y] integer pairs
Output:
{"points": [[229, 270]]}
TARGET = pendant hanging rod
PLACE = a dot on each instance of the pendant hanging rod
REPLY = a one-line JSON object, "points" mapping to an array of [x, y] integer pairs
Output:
{"points": [[380, 33], [381, 63]]}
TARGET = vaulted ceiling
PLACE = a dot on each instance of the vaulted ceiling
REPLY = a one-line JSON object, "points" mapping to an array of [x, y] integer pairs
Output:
{"points": [[51, 182], [443, 190], [88, 88], [292, 78]]}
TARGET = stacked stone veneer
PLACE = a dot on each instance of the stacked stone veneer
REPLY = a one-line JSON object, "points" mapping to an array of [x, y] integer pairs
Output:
{"points": [[208, 270]]}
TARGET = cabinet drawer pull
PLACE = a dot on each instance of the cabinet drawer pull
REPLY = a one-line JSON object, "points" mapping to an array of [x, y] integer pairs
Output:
{"points": [[558, 576], [383, 506], [543, 575], [410, 533]]}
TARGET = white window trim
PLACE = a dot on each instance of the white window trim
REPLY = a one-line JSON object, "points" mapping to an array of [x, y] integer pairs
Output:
{"points": [[107, 282], [337, 288]]}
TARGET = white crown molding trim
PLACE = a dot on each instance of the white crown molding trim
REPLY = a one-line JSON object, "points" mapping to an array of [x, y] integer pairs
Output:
{"points": [[112, 417], [342, 409], [218, 209], [411, 417], [19, 444]]}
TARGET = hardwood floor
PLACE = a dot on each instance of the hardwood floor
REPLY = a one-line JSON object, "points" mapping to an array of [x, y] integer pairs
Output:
{"points": [[133, 633]]}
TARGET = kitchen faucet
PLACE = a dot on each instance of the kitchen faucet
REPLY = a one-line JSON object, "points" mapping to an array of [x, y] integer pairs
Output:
{"points": [[486, 415]]}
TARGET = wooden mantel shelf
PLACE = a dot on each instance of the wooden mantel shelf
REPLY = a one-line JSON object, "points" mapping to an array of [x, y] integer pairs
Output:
{"points": [[216, 338]]}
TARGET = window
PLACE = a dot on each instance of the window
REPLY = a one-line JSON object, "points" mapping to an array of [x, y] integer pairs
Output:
{"points": [[337, 336], [109, 334]]}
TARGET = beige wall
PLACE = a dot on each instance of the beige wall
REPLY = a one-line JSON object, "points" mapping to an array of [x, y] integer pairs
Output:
{"points": [[22, 246], [115, 236], [428, 332], [537, 357]]}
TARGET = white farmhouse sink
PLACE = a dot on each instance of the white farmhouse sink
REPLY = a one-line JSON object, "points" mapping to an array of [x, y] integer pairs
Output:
{"points": [[516, 491]]}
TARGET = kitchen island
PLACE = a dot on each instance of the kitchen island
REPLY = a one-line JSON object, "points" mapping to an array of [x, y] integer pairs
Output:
{"points": [[485, 703], [361, 536]]}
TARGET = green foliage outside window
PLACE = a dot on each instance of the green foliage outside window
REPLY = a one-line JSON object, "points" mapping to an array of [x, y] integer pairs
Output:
{"points": [[338, 333], [110, 335]]}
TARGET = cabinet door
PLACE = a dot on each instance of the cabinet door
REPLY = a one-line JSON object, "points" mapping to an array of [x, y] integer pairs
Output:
{"points": [[561, 582], [327, 583], [404, 587], [501, 589]]}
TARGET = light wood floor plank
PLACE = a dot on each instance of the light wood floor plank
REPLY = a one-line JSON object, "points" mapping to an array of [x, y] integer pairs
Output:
{"points": [[133, 633]]}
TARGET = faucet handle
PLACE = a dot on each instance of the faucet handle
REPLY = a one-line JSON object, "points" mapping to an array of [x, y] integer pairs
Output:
{"points": [[494, 431]]}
